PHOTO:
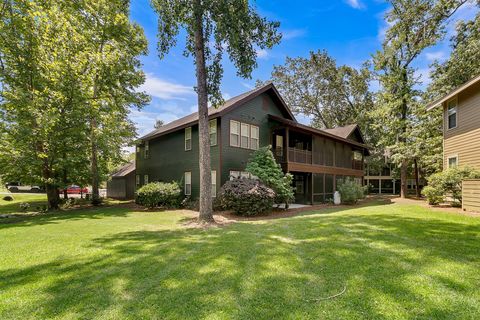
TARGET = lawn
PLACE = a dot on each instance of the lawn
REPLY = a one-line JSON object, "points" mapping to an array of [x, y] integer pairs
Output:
{"points": [[35, 200], [395, 261]]}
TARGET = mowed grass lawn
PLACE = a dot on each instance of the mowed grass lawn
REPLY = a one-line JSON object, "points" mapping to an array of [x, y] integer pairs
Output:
{"points": [[396, 261]]}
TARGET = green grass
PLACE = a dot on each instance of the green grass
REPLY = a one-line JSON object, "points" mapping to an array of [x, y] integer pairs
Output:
{"points": [[397, 262], [34, 200]]}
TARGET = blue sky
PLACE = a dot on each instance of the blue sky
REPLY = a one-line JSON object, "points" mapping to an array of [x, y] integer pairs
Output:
{"points": [[350, 30]]}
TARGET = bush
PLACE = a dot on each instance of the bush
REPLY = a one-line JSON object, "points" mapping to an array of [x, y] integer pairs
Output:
{"points": [[448, 182], [434, 195], [7, 198], [246, 197], [24, 206], [159, 194], [350, 191], [264, 166]]}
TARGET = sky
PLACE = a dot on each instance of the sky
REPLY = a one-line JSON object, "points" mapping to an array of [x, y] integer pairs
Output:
{"points": [[351, 31]]}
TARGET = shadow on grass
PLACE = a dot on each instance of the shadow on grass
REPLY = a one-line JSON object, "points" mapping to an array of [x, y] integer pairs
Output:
{"points": [[393, 266]]}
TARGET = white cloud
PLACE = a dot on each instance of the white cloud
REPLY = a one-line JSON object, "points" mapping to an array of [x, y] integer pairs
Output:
{"points": [[292, 34], [163, 89], [436, 55], [262, 53], [356, 4]]}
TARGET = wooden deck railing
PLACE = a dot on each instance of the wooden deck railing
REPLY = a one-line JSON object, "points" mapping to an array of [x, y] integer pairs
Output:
{"points": [[305, 157]]}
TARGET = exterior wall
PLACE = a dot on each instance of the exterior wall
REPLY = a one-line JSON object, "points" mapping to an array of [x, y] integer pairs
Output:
{"points": [[471, 195], [464, 140], [168, 160], [253, 112], [121, 187]]}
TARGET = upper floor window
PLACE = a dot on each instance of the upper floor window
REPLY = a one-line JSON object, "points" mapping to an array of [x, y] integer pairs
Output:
{"points": [[452, 113], [213, 132], [146, 150], [188, 138], [244, 135], [138, 149], [452, 161], [188, 183], [234, 133]]}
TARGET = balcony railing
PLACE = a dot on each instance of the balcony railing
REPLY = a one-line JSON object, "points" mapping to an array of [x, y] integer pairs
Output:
{"points": [[299, 156]]}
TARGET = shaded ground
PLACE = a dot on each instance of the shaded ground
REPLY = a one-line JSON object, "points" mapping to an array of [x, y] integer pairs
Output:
{"points": [[396, 261]]}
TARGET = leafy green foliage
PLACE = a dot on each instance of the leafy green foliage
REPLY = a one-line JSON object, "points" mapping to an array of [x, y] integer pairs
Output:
{"points": [[159, 194], [434, 195], [246, 197], [24, 206], [350, 191], [449, 183], [263, 165]]}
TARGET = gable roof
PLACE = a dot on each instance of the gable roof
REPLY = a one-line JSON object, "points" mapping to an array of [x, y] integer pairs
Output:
{"points": [[125, 170], [453, 93], [346, 131], [220, 111]]}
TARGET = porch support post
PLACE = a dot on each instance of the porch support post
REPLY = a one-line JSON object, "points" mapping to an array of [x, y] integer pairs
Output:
{"points": [[287, 142], [311, 176]]}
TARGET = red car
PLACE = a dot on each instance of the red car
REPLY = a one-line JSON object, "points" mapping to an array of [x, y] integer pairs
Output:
{"points": [[73, 189]]}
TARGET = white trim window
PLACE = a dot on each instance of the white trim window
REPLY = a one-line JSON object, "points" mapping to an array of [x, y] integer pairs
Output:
{"points": [[146, 152], [245, 136], [188, 139], [254, 137], [452, 114], [145, 179], [214, 183], [137, 180], [188, 183], [234, 133], [213, 132], [452, 161]]}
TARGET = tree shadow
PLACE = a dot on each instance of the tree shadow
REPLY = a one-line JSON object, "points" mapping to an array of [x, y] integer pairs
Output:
{"points": [[391, 265]]}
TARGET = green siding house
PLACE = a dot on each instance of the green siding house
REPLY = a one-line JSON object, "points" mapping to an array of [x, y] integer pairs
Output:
{"points": [[318, 159]]}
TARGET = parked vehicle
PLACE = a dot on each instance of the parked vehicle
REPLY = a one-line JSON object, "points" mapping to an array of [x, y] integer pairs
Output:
{"points": [[19, 187], [74, 189]]}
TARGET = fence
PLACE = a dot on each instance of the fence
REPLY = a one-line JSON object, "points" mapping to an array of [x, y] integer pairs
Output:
{"points": [[471, 195]]}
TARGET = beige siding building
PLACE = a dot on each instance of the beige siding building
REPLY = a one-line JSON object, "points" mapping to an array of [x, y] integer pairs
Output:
{"points": [[461, 132]]}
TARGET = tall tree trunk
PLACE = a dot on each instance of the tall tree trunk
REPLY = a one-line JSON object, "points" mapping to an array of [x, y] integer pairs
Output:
{"points": [[94, 161], [417, 179], [53, 198], [404, 111], [65, 193], [206, 214]]}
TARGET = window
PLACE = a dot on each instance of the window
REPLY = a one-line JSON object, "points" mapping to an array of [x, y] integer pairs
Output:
{"points": [[145, 179], [241, 174], [214, 183], [188, 183], [452, 161], [147, 150], [213, 132], [245, 135], [138, 149], [279, 146], [254, 137], [188, 139], [452, 113], [234, 133], [137, 180]]}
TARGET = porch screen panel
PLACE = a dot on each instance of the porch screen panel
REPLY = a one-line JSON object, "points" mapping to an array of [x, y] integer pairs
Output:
{"points": [[318, 151], [318, 188], [329, 152], [328, 187]]}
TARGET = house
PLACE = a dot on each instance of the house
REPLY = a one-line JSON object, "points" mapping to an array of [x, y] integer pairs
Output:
{"points": [[461, 125], [121, 184], [318, 159]]}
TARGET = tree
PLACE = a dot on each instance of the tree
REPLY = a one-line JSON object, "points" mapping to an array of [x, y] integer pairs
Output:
{"points": [[263, 165], [212, 27], [158, 124], [332, 95], [415, 25], [463, 63]]}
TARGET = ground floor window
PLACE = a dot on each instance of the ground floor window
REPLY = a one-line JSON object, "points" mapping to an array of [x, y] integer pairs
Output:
{"points": [[145, 179], [452, 161], [214, 183], [188, 183]]}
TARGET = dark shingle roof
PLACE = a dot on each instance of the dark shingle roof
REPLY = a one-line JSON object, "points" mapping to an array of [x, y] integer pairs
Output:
{"points": [[343, 132], [125, 170], [215, 112]]}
